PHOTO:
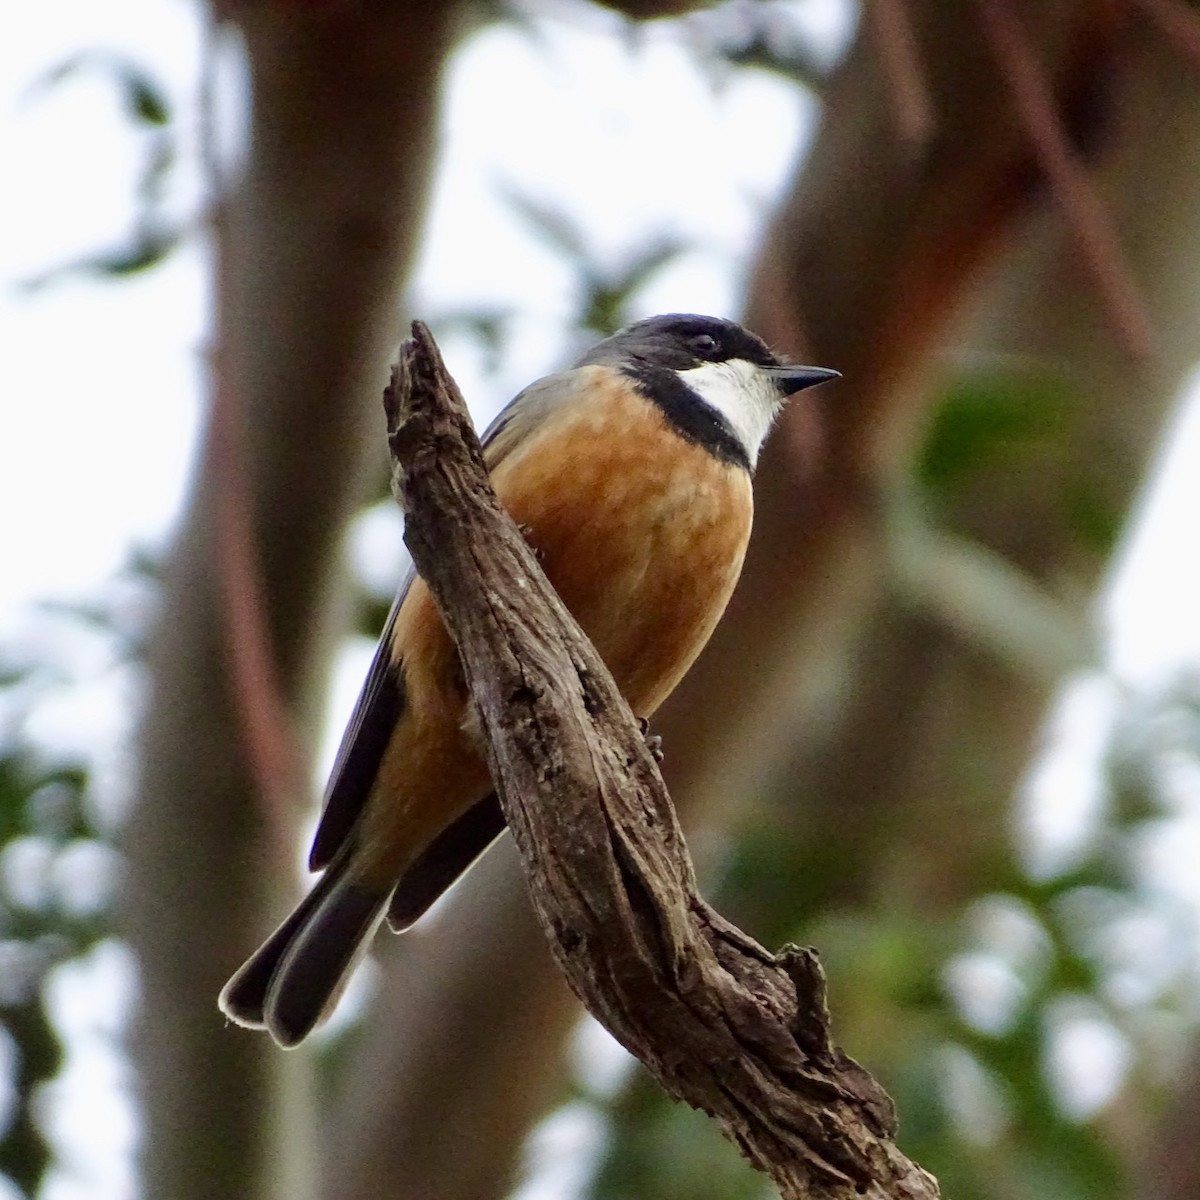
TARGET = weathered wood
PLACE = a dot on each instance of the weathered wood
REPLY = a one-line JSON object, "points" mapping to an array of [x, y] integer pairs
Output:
{"points": [[734, 1030]]}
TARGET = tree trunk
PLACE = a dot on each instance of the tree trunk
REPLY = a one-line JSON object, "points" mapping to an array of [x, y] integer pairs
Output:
{"points": [[312, 244]]}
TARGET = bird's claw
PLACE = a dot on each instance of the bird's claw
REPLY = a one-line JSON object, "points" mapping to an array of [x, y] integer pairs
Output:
{"points": [[653, 740]]}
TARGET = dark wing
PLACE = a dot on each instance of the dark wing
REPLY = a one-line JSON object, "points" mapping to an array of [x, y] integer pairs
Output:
{"points": [[382, 701], [380, 705]]}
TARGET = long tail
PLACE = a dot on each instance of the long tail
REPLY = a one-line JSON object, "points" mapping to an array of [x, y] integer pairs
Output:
{"points": [[450, 855], [293, 980]]}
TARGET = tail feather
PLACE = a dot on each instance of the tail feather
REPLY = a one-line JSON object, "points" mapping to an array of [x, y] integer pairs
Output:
{"points": [[448, 856], [293, 980], [243, 999]]}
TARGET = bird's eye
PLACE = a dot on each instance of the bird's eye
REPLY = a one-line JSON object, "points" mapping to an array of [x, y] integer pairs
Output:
{"points": [[703, 345]]}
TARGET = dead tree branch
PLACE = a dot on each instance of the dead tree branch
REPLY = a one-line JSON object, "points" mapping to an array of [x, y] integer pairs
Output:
{"points": [[720, 1022]]}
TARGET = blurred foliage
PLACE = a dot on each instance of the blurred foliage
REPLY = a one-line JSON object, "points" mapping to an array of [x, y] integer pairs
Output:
{"points": [[605, 293], [57, 862], [667, 1150], [1018, 418], [488, 327], [152, 234], [143, 99], [371, 614], [119, 614], [728, 35], [44, 824], [767, 37], [989, 418]]}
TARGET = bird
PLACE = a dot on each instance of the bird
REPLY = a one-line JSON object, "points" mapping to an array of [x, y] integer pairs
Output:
{"points": [[630, 475]]}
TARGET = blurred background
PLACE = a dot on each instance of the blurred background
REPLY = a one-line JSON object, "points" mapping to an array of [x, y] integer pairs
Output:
{"points": [[948, 732]]}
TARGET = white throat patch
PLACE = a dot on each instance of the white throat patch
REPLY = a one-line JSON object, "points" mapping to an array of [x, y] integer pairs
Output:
{"points": [[743, 394]]}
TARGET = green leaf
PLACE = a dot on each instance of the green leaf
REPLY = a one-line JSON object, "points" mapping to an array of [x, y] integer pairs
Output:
{"points": [[997, 417], [141, 95]]}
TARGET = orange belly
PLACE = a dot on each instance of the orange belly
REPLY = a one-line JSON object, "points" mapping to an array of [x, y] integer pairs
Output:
{"points": [[643, 538]]}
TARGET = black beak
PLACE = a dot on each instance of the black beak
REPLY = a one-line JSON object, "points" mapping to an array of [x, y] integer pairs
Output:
{"points": [[792, 379]]}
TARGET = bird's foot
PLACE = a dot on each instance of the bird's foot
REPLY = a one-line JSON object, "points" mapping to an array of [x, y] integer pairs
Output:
{"points": [[653, 740]]}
